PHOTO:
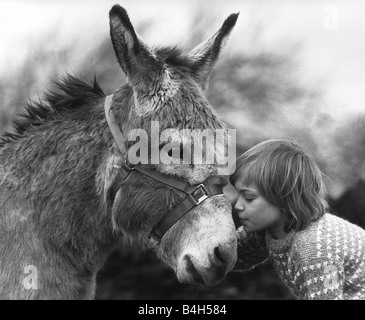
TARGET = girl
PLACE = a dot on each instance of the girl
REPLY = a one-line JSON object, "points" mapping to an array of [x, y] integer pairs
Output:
{"points": [[282, 208]]}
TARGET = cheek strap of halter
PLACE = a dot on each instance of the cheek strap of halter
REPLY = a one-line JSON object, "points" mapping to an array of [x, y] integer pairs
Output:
{"points": [[119, 139], [113, 125]]}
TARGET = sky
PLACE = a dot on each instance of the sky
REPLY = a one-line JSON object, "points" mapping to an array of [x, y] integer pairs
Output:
{"points": [[328, 37], [330, 33]]}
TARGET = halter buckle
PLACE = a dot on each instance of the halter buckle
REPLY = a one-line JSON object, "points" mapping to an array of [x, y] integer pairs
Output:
{"points": [[199, 194], [128, 166]]}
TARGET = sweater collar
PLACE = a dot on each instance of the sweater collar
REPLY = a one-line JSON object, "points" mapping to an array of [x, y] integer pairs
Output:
{"points": [[279, 245]]}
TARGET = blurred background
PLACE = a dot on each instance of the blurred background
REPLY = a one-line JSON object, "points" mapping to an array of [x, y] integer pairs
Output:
{"points": [[290, 68]]}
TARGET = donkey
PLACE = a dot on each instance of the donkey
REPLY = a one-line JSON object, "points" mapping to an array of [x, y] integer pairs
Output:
{"points": [[69, 197]]}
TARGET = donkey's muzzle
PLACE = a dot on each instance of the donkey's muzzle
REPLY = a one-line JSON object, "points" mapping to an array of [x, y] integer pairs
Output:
{"points": [[221, 261]]}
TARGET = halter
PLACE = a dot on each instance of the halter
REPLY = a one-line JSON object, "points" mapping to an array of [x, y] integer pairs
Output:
{"points": [[195, 194]]}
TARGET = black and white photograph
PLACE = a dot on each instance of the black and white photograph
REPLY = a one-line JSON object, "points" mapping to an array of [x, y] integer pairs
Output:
{"points": [[182, 150]]}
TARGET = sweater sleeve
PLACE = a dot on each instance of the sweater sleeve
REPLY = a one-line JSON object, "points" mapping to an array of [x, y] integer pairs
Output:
{"points": [[251, 250], [318, 279]]}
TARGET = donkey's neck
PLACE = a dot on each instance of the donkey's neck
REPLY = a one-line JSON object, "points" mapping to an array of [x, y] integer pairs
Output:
{"points": [[54, 175]]}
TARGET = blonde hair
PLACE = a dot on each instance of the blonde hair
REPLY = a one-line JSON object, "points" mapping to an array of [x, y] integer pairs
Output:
{"points": [[286, 176]]}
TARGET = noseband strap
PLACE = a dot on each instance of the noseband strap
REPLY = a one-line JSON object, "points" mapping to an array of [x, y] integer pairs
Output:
{"points": [[195, 194], [198, 195]]}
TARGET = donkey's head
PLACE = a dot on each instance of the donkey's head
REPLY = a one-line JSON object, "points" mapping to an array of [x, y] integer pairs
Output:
{"points": [[165, 94]]}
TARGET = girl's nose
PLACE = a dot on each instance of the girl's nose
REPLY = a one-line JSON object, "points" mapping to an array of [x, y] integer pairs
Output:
{"points": [[238, 206]]}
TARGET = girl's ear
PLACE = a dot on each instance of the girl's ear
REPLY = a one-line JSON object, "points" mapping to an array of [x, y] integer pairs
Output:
{"points": [[290, 224]]}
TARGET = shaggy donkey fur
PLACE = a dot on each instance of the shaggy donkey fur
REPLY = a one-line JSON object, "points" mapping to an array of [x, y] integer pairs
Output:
{"points": [[56, 231]]}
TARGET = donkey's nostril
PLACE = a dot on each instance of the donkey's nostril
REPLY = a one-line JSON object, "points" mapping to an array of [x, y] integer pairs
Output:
{"points": [[219, 255], [192, 270]]}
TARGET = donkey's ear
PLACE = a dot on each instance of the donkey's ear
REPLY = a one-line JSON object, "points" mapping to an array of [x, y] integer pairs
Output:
{"points": [[132, 53], [206, 54]]}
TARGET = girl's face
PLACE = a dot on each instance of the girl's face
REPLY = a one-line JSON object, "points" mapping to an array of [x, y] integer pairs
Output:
{"points": [[256, 213]]}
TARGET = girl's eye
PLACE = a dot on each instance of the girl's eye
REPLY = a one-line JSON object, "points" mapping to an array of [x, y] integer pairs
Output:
{"points": [[250, 199]]}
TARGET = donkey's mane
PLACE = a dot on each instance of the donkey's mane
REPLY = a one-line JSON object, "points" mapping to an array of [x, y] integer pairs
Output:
{"points": [[174, 57], [71, 93]]}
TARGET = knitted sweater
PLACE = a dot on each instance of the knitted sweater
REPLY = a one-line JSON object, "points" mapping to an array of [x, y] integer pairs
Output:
{"points": [[324, 261]]}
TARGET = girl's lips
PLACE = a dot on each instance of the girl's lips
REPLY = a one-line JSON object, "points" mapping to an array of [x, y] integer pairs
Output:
{"points": [[243, 222]]}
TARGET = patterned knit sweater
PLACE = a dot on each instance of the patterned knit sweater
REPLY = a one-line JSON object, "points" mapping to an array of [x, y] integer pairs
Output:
{"points": [[324, 261]]}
